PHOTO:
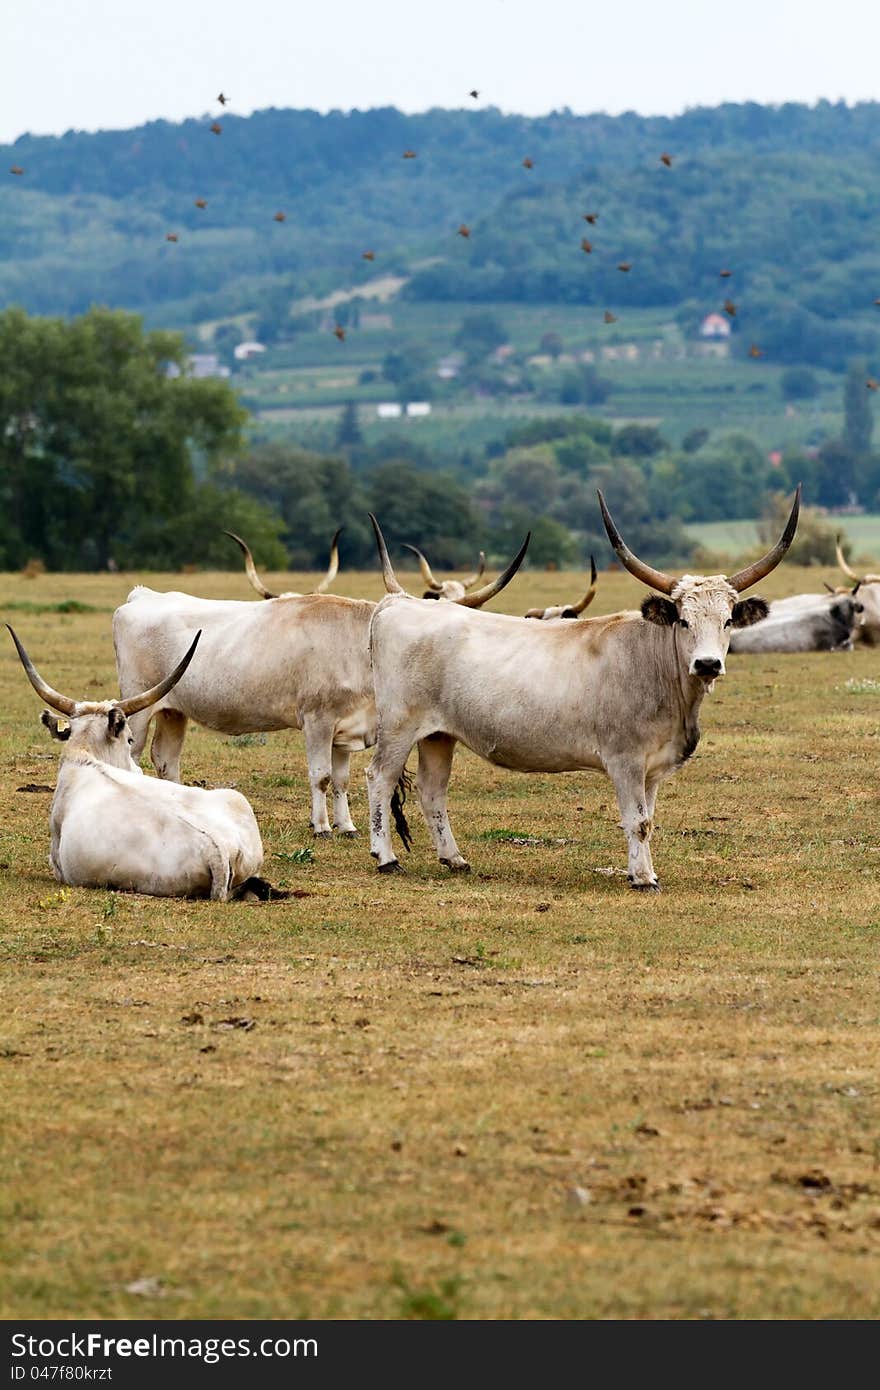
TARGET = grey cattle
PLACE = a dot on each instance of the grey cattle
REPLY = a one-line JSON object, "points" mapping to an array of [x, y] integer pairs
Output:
{"points": [[112, 827], [868, 585], [450, 589], [256, 582], [568, 610], [803, 623], [620, 694]]}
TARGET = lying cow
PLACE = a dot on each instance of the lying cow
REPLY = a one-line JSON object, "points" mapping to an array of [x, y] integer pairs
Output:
{"points": [[294, 663], [620, 693], [256, 582], [568, 610], [112, 827], [868, 586], [803, 623], [451, 589]]}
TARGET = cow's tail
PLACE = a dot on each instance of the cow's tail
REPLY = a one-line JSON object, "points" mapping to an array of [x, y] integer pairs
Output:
{"points": [[401, 825]]}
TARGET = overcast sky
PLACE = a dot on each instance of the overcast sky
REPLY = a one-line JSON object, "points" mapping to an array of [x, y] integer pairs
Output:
{"points": [[92, 64]]}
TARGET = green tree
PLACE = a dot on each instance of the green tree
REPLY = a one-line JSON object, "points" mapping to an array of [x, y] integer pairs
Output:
{"points": [[479, 334], [858, 415], [349, 433]]}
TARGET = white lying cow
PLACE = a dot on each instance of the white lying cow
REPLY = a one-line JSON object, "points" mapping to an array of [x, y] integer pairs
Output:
{"points": [[621, 693], [568, 610], [451, 589], [294, 663], [868, 586], [803, 623], [256, 582], [112, 827]]}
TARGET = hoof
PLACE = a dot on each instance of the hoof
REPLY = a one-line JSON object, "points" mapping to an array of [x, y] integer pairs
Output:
{"points": [[462, 867], [323, 834], [392, 867], [348, 834], [646, 887]]}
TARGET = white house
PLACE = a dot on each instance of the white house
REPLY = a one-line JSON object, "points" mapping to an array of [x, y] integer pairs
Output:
{"points": [[389, 410], [418, 409], [243, 351]]}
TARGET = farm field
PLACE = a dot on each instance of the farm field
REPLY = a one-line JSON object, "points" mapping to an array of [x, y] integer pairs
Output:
{"points": [[736, 537], [523, 1093]]}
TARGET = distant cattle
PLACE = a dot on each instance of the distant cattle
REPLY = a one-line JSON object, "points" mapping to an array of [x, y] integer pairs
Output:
{"points": [[620, 694], [112, 827], [803, 623], [450, 589], [568, 610], [868, 630], [256, 582]]}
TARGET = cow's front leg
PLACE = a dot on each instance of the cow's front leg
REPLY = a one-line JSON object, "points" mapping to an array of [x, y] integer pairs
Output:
{"points": [[319, 756], [435, 766], [636, 822], [341, 772], [169, 731]]}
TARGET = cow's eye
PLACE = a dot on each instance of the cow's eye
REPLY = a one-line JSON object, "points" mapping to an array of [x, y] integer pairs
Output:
{"points": [[729, 623]]}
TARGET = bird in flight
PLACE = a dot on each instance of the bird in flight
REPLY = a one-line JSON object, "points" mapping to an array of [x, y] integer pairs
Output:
{"points": [[625, 265], [586, 245], [368, 255], [528, 163], [725, 274], [340, 332], [409, 154], [755, 351], [667, 160], [222, 99], [171, 236], [872, 385], [201, 202], [16, 169], [280, 217], [591, 217], [730, 308], [609, 317], [464, 230], [216, 127], [474, 94]]}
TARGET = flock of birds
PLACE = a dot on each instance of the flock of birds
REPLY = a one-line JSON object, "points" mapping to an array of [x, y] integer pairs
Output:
{"points": [[464, 231]]}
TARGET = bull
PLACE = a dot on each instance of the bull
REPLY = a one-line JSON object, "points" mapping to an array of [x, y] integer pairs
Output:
{"points": [[620, 694], [112, 827]]}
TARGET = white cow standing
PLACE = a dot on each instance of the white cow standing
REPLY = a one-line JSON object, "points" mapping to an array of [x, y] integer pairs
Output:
{"points": [[112, 827], [620, 693]]}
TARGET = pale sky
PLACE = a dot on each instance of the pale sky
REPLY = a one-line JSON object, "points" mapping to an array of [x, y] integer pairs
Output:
{"points": [[102, 64]]}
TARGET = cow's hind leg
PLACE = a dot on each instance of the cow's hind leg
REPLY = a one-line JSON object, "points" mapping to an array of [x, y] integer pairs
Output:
{"points": [[169, 731], [636, 821], [435, 766], [318, 736], [383, 774], [341, 772]]}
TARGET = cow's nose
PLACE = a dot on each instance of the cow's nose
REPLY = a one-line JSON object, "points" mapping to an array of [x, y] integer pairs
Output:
{"points": [[707, 666]]}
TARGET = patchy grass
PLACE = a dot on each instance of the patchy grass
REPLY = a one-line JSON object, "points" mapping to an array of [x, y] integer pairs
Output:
{"points": [[618, 1106]]}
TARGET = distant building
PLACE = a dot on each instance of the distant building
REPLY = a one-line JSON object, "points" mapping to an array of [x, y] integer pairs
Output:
{"points": [[449, 367], [389, 410], [245, 350], [418, 409], [206, 364], [715, 326]]}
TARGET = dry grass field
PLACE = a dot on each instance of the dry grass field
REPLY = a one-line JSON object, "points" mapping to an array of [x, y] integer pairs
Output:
{"points": [[525, 1093]]}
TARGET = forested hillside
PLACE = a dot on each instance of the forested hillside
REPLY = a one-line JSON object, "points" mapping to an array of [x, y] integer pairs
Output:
{"points": [[787, 198]]}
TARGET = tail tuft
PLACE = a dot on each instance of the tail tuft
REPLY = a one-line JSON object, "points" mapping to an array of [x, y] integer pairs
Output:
{"points": [[401, 825]]}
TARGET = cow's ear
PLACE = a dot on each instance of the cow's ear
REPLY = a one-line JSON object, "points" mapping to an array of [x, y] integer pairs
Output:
{"points": [[115, 722], [55, 727], [659, 610], [748, 611]]}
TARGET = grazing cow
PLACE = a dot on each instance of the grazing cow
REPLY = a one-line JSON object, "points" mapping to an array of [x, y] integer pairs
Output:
{"points": [[568, 610], [451, 589], [250, 568], [112, 827], [868, 585], [803, 623], [620, 693], [294, 663]]}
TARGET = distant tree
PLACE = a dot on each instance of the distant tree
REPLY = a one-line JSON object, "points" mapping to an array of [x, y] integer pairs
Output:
{"points": [[694, 440], [584, 386], [799, 384], [349, 432], [858, 415], [552, 344], [407, 362], [479, 334], [638, 441]]}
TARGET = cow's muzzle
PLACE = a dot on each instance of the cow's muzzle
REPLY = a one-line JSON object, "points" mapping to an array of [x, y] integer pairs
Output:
{"points": [[707, 667]]}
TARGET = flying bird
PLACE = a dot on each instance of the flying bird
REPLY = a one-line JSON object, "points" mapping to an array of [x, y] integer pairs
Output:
{"points": [[474, 94], [755, 351], [280, 217], [222, 99], [667, 160], [609, 317], [409, 154], [216, 127], [16, 169], [464, 230], [730, 308], [586, 245], [625, 265], [528, 163], [21, 171], [171, 236], [368, 255], [340, 332], [872, 385], [591, 217], [201, 203], [725, 274]]}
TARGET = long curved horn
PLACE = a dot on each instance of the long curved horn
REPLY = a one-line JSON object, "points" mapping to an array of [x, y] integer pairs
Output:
{"points": [[843, 565], [250, 568], [752, 574], [62, 703], [481, 596], [388, 575], [477, 574], [588, 597], [655, 579], [333, 567], [428, 577], [149, 697]]}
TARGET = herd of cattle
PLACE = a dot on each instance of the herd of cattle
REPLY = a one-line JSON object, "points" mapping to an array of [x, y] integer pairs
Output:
{"points": [[619, 693]]}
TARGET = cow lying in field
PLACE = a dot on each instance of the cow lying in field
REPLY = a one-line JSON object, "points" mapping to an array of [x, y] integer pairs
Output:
{"points": [[868, 587], [294, 663], [803, 623], [620, 694], [112, 827], [568, 610]]}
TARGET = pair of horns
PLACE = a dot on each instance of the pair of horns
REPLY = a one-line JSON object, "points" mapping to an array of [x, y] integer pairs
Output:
{"points": [[435, 584], [665, 583], [474, 600], [575, 608], [250, 568], [65, 705], [859, 578]]}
